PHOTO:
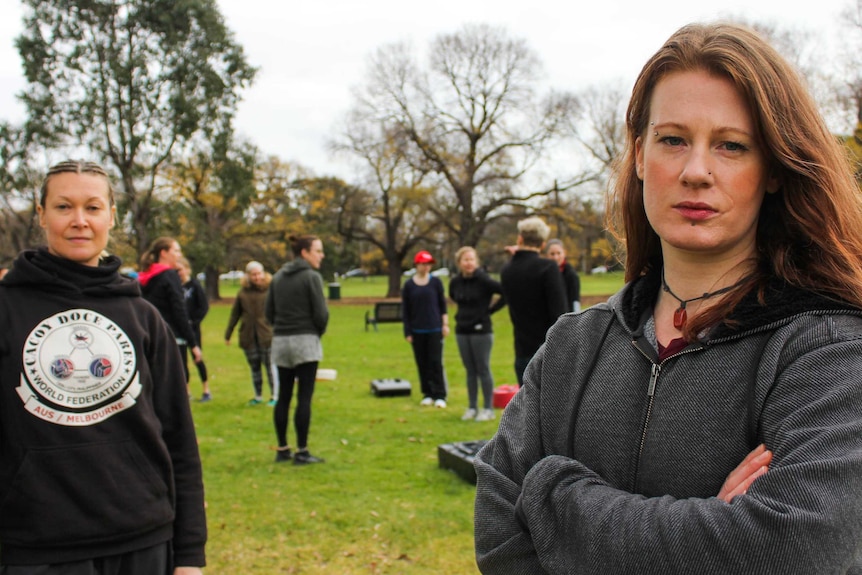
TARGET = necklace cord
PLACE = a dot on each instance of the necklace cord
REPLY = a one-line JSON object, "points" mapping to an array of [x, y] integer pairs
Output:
{"points": [[680, 315]]}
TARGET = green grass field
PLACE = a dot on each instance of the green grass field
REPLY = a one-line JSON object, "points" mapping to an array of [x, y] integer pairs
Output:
{"points": [[376, 286], [380, 503]]}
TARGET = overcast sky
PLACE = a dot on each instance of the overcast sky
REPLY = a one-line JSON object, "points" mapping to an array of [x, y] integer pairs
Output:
{"points": [[311, 54]]}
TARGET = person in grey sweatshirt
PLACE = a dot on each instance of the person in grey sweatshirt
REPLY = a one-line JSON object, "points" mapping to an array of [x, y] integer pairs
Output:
{"points": [[708, 418], [296, 310]]}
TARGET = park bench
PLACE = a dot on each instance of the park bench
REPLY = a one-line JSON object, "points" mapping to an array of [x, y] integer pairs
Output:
{"points": [[384, 312]]}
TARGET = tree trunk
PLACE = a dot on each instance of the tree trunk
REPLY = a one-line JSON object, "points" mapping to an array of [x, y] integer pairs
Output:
{"points": [[394, 279], [212, 286]]}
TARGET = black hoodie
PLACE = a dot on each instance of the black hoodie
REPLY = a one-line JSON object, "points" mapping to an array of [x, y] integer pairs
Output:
{"points": [[161, 286], [98, 454]]}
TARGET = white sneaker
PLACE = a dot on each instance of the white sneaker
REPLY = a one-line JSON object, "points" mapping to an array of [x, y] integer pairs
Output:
{"points": [[485, 415], [426, 401], [441, 403], [469, 414]]}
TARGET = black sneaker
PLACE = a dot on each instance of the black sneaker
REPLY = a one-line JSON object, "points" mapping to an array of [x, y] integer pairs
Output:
{"points": [[282, 455], [304, 458]]}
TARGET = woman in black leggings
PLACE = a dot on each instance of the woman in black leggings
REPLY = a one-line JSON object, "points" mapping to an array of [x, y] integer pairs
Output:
{"points": [[296, 309]]}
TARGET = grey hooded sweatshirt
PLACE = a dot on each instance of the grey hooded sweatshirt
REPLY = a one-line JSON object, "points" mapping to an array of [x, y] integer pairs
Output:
{"points": [[295, 304], [608, 461]]}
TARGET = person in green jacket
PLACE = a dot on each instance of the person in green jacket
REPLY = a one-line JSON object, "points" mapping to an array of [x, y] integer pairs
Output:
{"points": [[255, 333]]}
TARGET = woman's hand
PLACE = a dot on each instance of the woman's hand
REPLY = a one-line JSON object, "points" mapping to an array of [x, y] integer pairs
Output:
{"points": [[188, 571], [196, 353], [740, 479]]}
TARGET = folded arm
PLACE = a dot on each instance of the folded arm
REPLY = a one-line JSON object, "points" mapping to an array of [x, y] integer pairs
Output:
{"points": [[538, 513]]}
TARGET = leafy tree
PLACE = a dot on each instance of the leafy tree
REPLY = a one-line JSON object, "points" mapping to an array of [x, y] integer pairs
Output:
{"points": [[133, 81], [471, 119], [269, 218], [318, 204], [290, 200], [854, 145], [215, 188], [19, 193]]}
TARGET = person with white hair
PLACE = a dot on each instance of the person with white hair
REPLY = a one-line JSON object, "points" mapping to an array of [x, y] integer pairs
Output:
{"points": [[534, 290], [255, 333]]}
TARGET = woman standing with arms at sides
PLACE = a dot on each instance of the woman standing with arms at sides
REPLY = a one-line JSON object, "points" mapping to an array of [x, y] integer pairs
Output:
{"points": [[473, 291], [197, 306], [708, 418], [99, 465], [557, 252], [425, 325], [161, 286], [297, 312], [255, 333]]}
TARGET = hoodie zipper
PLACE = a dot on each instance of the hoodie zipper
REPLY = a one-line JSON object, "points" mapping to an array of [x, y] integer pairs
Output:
{"points": [[655, 371]]}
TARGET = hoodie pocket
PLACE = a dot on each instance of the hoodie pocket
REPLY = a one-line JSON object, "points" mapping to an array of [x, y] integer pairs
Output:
{"points": [[83, 494]]}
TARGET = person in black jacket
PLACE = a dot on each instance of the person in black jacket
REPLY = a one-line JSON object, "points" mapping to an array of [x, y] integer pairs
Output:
{"points": [[161, 286], [557, 252], [99, 464], [474, 292], [198, 306], [426, 323], [534, 291]]}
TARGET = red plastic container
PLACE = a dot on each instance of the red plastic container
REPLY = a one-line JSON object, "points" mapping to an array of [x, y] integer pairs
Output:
{"points": [[503, 394]]}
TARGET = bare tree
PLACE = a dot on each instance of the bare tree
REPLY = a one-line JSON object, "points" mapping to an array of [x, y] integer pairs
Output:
{"points": [[471, 119], [851, 59], [810, 55], [835, 79], [600, 126]]}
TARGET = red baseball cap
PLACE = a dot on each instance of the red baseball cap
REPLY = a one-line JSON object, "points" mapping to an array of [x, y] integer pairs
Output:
{"points": [[423, 257]]}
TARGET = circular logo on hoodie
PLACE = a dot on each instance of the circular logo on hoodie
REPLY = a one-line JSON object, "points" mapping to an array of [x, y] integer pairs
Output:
{"points": [[79, 369]]}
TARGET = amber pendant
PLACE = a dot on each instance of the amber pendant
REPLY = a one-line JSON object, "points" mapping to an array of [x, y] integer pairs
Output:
{"points": [[679, 317]]}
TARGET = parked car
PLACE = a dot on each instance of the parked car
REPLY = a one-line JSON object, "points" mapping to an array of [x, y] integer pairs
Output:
{"points": [[356, 273], [439, 272], [231, 275]]}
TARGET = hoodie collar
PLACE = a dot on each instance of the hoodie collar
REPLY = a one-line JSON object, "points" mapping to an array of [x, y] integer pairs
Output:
{"points": [[295, 266], [778, 302], [46, 272], [155, 269]]}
